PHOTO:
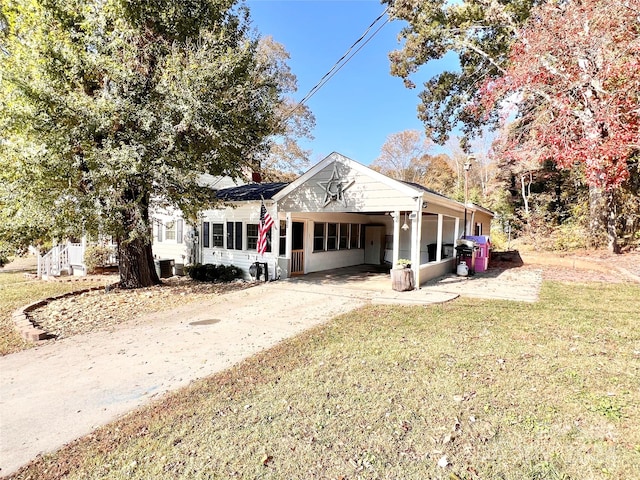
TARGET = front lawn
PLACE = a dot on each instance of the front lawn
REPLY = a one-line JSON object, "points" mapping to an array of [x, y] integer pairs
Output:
{"points": [[466, 390]]}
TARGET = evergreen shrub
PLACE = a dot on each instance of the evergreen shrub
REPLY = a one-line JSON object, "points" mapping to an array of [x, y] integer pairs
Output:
{"points": [[213, 273]]}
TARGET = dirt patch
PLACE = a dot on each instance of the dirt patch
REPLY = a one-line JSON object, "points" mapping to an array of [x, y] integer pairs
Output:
{"points": [[586, 266], [109, 307]]}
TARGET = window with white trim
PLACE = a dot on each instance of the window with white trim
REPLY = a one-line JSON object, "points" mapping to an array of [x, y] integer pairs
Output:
{"points": [[318, 236], [170, 230], [336, 236], [252, 236], [217, 234]]}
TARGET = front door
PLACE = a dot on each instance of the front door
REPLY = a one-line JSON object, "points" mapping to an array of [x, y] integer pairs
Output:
{"points": [[297, 248], [373, 248]]}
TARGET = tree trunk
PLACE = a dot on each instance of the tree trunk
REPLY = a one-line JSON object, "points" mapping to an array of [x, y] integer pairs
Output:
{"points": [[596, 226], [137, 268], [135, 257], [612, 234], [525, 193]]}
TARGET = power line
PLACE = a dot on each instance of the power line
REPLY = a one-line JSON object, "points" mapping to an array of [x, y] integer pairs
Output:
{"points": [[342, 61]]}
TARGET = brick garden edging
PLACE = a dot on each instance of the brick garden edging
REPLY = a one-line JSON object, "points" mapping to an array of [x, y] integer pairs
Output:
{"points": [[26, 325]]}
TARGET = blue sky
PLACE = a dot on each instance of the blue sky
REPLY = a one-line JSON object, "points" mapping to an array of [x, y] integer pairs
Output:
{"points": [[362, 104]]}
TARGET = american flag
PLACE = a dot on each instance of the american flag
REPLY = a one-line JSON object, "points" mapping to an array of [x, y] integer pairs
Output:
{"points": [[266, 222]]}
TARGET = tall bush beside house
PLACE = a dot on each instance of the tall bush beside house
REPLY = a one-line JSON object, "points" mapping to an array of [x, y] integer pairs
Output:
{"points": [[97, 256]]}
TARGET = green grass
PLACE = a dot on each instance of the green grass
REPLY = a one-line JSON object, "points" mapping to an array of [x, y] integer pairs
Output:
{"points": [[504, 390], [16, 290]]}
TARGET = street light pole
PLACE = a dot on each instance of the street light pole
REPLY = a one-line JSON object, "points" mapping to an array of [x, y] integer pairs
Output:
{"points": [[467, 167]]}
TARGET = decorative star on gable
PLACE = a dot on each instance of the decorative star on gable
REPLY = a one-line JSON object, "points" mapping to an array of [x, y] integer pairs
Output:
{"points": [[334, 188]]}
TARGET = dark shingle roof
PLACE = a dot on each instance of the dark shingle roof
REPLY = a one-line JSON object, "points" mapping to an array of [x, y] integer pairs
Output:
{"points": [[251, 191]]}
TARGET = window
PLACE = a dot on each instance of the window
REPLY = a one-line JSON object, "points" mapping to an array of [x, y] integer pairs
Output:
{"points": [[217, 234], [283, 237], [344, 236], [318, 236], [170, 230], [205, 234], [179, 230], [159, 230], [332, 236], [252, 236], [234, 235], [354, 239], [336, 236]]}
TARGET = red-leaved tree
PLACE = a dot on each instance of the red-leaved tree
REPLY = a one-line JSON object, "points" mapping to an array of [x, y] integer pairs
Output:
{"points": [[574, 79]]}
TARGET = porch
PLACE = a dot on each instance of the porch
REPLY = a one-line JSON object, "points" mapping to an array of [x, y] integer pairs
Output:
{"points": [[341, 214]]}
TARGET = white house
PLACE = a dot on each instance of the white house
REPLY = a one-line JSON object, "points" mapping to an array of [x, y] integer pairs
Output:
{"points": [[339, 213], [174, 238]]}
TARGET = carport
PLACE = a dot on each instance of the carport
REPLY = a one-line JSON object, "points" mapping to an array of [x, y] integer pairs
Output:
{"points": [[341, 213]]}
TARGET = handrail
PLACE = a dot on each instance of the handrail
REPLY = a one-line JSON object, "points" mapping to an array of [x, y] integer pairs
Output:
{"points": [[53, 262]]}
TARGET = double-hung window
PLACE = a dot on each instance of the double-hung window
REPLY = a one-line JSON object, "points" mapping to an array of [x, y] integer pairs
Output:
{"points": [[234, 235], [252, 236], [206, 237], [319, 236], [217, 234], [170, 230]]}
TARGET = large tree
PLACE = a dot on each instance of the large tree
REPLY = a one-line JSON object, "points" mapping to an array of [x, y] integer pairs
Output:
{"points": [[110, 106], [403, 156], [574, 77], [479, 32]]}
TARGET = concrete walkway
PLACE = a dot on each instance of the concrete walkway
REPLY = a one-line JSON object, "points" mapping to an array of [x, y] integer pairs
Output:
{"points": [[55, 393]]}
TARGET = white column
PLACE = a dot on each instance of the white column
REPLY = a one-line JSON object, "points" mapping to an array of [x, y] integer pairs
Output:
{"points": [[456, 231], [289, 237], [416, 239], [439, 241], [396, 238]]}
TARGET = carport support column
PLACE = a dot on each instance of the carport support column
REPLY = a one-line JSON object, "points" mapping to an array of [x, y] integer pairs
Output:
{"points": [[416, 239], [439, 241], [396, 238]]}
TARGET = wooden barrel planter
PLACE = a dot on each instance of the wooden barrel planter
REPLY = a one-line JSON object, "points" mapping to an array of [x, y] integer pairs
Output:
{"points": [[402, 279]]}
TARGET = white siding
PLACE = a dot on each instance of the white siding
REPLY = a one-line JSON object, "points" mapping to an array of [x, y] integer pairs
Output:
{"points": [[180, 251], [246, 213]]}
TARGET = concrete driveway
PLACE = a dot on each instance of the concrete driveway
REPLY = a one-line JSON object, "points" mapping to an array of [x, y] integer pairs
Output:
{"points": [[55, 393]]}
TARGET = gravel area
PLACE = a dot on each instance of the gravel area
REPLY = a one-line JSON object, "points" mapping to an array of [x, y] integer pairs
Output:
{"points": [[106, 308]]}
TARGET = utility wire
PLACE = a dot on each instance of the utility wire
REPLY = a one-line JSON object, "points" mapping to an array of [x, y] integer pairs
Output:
{"points": [[348, 55]]}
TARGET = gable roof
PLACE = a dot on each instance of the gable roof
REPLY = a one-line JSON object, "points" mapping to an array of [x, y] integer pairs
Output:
{"points": [[250, 191], [337, 157]]}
